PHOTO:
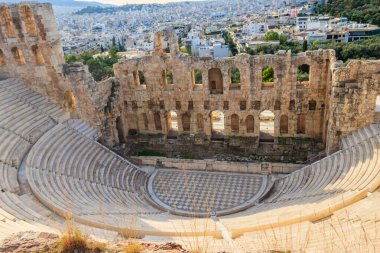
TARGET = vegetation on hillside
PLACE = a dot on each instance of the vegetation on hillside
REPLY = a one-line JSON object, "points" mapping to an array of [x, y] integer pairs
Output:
{"points": [[230, 42], [100, 67], [363, 49], [365, 11]]}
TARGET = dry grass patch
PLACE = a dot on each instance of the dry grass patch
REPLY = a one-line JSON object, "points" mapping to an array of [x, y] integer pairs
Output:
{"points": [[133, 248]]}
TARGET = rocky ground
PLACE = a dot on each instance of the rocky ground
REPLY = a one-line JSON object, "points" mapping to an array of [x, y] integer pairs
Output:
{"points": [[40, 242]]}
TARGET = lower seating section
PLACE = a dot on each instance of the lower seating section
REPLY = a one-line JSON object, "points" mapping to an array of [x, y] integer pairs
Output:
{"points": [[317, 190], [352, 229], [75, 176]]}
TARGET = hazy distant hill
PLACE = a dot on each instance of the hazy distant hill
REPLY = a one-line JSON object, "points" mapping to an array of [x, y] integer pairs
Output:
{"points": [[68, 3]]}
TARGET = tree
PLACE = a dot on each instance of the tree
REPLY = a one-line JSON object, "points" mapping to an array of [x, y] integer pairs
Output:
{"points": [[113, 41], [271, 36], [71, 58], [283, 38], [304, 46], [101, 48], [268, 75]]}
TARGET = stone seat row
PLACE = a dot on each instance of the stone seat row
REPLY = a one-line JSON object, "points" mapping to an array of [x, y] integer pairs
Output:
{"points": [[8, 178], [34, 99], [65, 151], [350, 169], [360, 135], [315, 191], [107, 207], [353, 227], [83, 128], [12, 148], [21, 118]]}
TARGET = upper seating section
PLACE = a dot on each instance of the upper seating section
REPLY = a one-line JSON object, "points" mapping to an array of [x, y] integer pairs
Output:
{"points": [[27, 113], [83, 128]]}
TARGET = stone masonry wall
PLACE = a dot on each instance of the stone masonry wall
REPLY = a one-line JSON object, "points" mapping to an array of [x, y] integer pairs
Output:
{"points": [[285, 97], [353, 99]]}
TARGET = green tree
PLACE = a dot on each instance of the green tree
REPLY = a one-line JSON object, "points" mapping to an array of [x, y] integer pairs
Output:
{"points": [[235, 75], [283, 38], [304, 46], [71, 58], [271, 36], [268, 74]]}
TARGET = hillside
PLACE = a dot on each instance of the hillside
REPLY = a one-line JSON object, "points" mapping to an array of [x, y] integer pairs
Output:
{"points": [[365, 11]]}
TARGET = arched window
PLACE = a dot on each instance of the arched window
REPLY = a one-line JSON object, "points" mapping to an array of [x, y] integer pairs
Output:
{"points": [[200, 124], [266, 126], [186, 122], [284, 124], [139, 77], [2, 58], [167, 76], [301, 122], [39, 58], [215, 80], [27, 15], [197, 77], [250, 124], [172, 124], [157, 121], [235, 75], [18, 56], [235, 123], [268, 74], [217, 124], [6, 21], [303, 73]]}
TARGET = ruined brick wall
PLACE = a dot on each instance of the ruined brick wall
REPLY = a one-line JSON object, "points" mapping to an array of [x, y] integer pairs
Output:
{"points": [[289, 100], [31, 51], [353, 99]]}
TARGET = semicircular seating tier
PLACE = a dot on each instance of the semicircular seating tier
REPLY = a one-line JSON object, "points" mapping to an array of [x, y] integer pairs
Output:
{"points": [[317, 190]]}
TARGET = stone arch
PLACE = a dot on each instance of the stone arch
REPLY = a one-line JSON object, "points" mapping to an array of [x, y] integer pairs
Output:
{"points": [[284, 124], [145, 121], [217, 124], [6, 21], [167, 77], [301, 124], [215, 80], [200, 123], [267, 74], [18, 56], [186, 118], [266, 126], [303, 73], [70, 101], [235, 75], [3, 61], [157, 121], [197, 77], [250, 124], [172, 121], [39, 58], [30, 24], [120, 129], [235, 123]]}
